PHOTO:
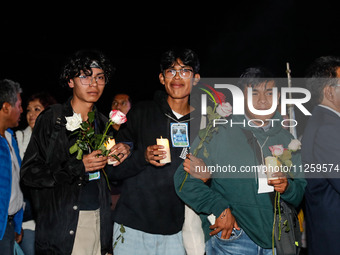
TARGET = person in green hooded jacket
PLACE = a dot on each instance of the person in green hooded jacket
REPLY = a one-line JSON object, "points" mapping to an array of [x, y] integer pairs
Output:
{"points": [[235, 194]]}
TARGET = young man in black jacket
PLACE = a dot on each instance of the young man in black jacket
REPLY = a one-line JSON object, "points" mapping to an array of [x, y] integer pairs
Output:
{"points": [[73, 209], [149, 209]]}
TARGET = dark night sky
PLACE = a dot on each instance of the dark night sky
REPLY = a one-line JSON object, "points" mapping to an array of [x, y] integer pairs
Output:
{"points": [[228, 39]]}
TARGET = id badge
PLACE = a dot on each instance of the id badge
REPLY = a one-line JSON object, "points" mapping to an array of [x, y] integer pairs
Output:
{"points": [[263, 182], [94, 176], [179, 134]]}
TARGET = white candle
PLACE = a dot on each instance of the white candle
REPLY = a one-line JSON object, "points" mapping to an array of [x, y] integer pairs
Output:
{"points": [[165, 143], [108, 145], [272, 166]]}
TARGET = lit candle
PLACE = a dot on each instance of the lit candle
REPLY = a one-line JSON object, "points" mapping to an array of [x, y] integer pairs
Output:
{"points": [[165, 143], [108, 145], [272, 166]]}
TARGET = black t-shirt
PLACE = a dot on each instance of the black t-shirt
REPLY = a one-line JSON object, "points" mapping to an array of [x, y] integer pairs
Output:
{"points": [[89, 196]]}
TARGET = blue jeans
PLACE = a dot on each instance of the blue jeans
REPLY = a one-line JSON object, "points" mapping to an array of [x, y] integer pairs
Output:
{"points": [[7, 242], [27, 244], [140, 243], [238, 244]]}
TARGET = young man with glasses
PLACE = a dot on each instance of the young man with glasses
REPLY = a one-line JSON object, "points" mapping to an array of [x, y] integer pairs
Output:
{"points": [[149, 209], [73, 208]]}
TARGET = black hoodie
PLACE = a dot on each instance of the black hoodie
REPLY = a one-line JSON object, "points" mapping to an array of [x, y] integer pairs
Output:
{"points": [[148, 200]]}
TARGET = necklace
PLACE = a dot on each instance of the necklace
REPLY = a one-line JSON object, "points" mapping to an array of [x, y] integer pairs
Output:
{"points": [[261, 146], [264, 143]]}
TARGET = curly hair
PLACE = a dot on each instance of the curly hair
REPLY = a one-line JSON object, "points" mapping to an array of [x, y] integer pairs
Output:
{"points": [[188, 57], [81, 61], [321, 73]]}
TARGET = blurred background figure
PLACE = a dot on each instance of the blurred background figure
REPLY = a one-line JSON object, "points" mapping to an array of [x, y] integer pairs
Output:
{"points": [[36, 103], [321, 148], [123, 103]]}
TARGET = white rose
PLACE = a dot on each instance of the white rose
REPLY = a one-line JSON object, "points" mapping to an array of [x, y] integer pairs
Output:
{"points": [[224, 109], [294, 145], [73, 122]]}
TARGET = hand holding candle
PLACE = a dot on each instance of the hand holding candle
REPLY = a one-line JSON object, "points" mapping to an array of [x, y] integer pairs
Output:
{"points": [[164, 142], [108, 145], [272, 166]]}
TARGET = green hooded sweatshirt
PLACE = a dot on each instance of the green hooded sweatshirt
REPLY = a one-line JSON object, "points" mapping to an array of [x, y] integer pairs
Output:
{"points": [[229, 147]]}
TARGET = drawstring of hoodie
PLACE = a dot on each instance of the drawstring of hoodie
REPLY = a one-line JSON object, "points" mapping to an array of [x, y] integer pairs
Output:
{"points": [[170, 117]]}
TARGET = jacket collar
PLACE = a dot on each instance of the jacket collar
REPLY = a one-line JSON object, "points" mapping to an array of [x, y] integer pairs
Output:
{"points": [[328, 110], [160, 97], [68, 111]]}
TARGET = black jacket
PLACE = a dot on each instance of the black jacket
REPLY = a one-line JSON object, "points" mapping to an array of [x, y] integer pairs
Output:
{"points": [[148, 200], [321, 162], [57, 185]]}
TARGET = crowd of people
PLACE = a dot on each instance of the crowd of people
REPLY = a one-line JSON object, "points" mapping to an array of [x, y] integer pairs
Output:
{"points": [[152, 199]]}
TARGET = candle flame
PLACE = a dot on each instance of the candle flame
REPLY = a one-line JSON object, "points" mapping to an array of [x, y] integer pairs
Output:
{"points": [[110, 143]]}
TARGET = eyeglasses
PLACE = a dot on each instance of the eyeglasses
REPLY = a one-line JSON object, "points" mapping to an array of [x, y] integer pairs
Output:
{"points": [[183, 73], [87, 80], [116, 103]]}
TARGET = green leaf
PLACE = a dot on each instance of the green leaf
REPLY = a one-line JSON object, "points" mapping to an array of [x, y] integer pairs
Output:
{"points": [[285, 155], [286, 225], [205, 152], [215, 129], [73, 148], [212, 116], [90, 132], [288, 163], [96, 139], [83, 145], [209, 110], [80, 154], [84, 125], [102, 148], [91, 116], [199, 146], [201, 133]]}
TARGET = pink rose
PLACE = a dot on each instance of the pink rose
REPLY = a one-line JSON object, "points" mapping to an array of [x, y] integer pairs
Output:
{"points": [[277, 150], [117, 117], [224, 109]]}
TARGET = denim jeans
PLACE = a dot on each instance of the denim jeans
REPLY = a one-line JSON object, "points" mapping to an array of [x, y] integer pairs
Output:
{"points": [[27, 244], [238, 244], [137, 242], [7, 242]]}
